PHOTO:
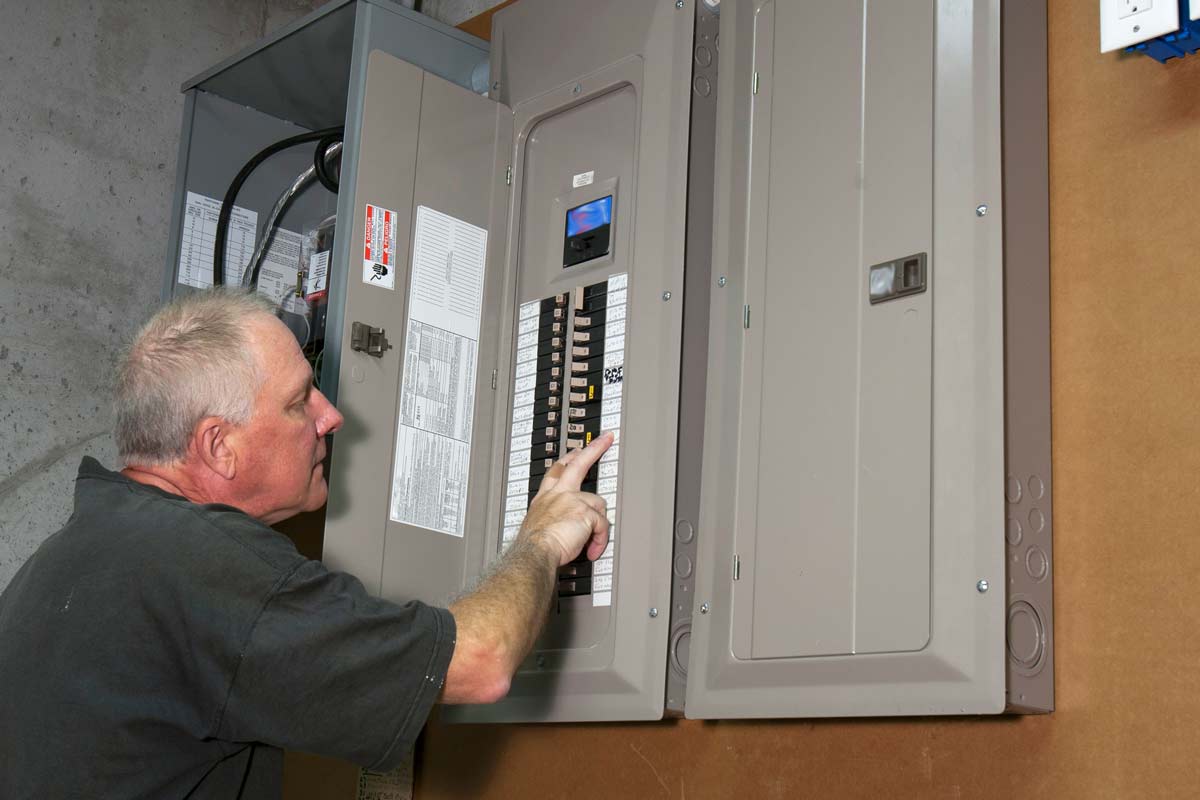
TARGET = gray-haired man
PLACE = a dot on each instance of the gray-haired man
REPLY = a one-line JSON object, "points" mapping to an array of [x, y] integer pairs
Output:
{"points": [[167, 643]]}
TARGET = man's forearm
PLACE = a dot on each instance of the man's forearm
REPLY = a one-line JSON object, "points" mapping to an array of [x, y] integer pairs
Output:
{"points": [[508, 610], [499, 621]]}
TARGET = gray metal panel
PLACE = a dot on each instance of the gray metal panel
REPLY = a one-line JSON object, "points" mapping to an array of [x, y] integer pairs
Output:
{"points": [[585, 38], [221, 137], [461, 136], [299, 74], [836, 424], [170, 272], [1027, 359], [800, 370], [360, 470], [891, 573], [961, 669], [424, 141], [267, 42], [698, 285], [622, 675], [598, 134], [419, 40]]}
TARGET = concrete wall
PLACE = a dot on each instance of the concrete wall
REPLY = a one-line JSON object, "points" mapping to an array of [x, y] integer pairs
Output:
{"points": [[89, 127]]}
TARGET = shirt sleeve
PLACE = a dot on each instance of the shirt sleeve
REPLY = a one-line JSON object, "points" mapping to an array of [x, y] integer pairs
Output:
{"points": [[329, 669]]}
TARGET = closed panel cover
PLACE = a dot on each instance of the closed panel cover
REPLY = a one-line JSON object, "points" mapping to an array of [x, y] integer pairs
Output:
{"points": [[841, 520], [408, 497], [853, 437], [596, 256]]}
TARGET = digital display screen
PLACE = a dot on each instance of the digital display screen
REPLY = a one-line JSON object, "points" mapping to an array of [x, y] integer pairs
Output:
{"points": [[589, 216]]}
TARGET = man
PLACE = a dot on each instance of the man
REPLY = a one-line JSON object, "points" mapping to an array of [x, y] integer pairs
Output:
{"points": [[167, 643]]}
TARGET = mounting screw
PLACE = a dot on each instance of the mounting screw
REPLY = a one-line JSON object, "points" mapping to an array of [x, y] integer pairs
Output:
{"points": [[704, 608], [981, 211], [666, 296], [982, 586], [577, 88], [654, 612], [1137, 28], [721, 281], [679, 4]]}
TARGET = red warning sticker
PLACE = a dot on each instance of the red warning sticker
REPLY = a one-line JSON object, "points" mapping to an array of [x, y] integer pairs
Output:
{"points": [[379, 248]]}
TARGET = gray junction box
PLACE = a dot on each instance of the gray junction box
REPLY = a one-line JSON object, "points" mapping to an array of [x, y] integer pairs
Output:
{"points": [[794, 254]]}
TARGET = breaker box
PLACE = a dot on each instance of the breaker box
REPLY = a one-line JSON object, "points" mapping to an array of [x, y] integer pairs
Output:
{"points": [[878, 366], [794, 255], [307, 77]]}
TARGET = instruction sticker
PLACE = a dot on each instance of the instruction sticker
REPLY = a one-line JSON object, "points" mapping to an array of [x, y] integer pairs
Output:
{"points": [[583, 179], [317, 279], [198, 237], [277, 277], [379, 248], [437, 394]]}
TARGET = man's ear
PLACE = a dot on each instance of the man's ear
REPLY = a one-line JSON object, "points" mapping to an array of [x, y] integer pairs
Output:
{"points": [[213, 446]]}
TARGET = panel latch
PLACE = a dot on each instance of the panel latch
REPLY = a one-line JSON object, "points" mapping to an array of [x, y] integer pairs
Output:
{"points": [[365, 339]]}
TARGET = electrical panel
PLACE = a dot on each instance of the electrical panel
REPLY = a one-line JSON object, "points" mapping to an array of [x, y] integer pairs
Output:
{"points": [[507, 250], [794, 256], [857, 564]]}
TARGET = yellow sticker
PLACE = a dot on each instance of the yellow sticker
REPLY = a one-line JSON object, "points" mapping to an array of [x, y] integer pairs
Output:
{"points": [[591, 393], [587, 438]]}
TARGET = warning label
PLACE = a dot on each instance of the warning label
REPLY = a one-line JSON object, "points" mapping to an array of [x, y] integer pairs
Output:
{"points": [[379, 248]]}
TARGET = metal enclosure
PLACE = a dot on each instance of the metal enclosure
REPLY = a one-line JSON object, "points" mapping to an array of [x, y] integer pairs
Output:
{"points": [[417, 510], [813, 305], [1028, 484], [852, 558], [306, 77], [604, 113]]}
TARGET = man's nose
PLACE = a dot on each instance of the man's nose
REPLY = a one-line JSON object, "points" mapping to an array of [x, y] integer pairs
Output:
{"points": [[329, 419]]}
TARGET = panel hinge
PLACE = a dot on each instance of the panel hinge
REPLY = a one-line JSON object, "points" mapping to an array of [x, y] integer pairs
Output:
{"points": [[737, 567], [746, 317], [493, 379], [754, 84], [508, 175]]}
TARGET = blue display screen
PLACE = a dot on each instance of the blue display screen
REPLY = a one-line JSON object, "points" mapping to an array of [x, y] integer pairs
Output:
{"points": [[589, 216]]}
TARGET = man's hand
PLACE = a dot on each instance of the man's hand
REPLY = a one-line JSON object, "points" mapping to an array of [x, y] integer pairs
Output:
{"points": [[498, 623], [563, 516]]}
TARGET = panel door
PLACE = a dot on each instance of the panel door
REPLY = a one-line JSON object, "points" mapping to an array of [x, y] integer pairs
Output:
{"points": [[409, 477], [854, 432]]}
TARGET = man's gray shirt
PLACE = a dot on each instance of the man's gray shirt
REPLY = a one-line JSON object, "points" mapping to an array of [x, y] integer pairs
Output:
{"points": [[156, 648]]}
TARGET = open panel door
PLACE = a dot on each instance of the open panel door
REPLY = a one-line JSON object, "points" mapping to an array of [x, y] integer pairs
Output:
{"points": [[409, 481], [852, 511]]}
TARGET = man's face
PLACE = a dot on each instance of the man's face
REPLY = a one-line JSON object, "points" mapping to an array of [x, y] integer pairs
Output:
{"points": [[279, 452]]}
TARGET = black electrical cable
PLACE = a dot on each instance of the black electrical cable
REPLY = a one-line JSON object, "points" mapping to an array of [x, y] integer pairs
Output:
{"points": [[222, 234], [324, 175]]}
